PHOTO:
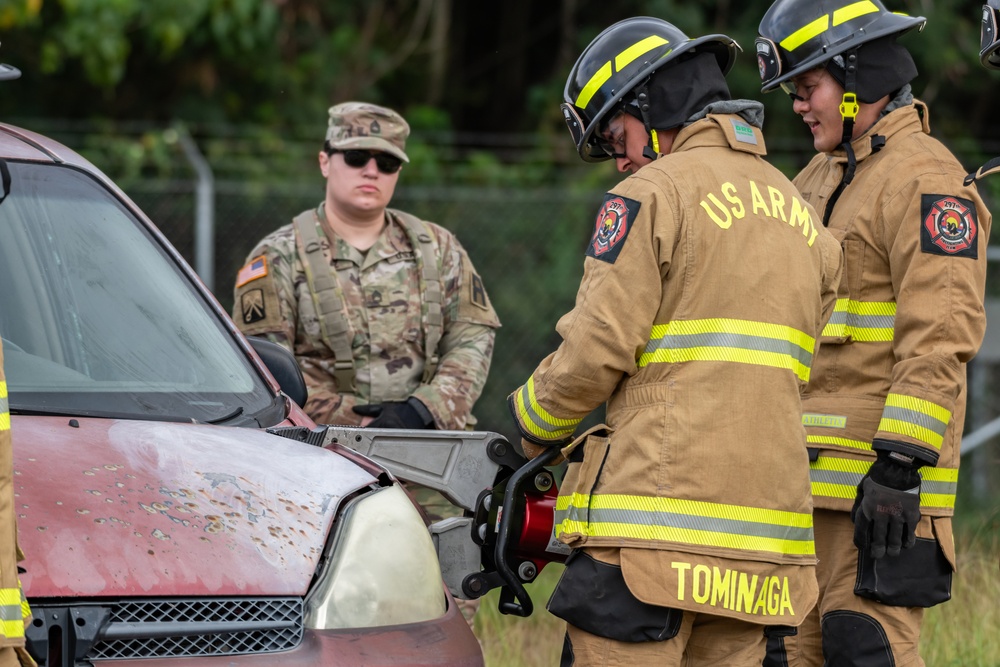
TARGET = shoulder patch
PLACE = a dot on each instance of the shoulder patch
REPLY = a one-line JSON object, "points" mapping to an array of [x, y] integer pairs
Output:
{"points": [[254, 269], [252, 306], [478, 296], [614, 222], [949, 226], [473, 303]]}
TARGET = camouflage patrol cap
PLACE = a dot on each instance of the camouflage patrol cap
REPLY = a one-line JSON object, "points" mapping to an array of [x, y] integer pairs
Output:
{"points": [[363, 125]]}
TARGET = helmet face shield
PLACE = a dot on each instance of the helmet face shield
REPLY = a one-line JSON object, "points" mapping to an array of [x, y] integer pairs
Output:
{"points": [[768, 60], [989, 53]]}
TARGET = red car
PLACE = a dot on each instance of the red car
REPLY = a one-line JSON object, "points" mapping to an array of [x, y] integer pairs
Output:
{"points": [[161, 523]]}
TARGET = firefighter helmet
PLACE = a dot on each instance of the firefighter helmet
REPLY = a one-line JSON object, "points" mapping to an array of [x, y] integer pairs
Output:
{"points": [[799, 35], [615, 62], [989, 53]]}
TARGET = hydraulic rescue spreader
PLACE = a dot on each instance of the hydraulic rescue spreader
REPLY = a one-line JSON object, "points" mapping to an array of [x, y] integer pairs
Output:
{"points": [[504, 537]]}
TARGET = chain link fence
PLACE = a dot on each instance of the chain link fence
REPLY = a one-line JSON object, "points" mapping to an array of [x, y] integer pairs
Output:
{"points": [[526, 239]]}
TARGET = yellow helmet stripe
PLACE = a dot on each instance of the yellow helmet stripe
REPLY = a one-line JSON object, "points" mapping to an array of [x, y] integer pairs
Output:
{"points": [[805, 33], [822, 24], [851, 12], [600, 78], [622, 60], [638, 49]]}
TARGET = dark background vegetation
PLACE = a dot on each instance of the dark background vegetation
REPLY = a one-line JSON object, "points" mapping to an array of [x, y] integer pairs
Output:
{"points": [[480, 83]]}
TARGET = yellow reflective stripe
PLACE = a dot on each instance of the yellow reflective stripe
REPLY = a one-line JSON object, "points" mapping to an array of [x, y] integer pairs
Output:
{"points": [[924, 435], [843, 442], [834, 477], [850, 12], [805, 33], [10, 597], [602, 75], [929, 474], [537, 420], [686, 521], [689, 536], [4, 407], [827, 490], [740, 341], [11, 619], [25, 607], [937, 500], [920, 405], [638, 49], [864, 321], [915, 418]]}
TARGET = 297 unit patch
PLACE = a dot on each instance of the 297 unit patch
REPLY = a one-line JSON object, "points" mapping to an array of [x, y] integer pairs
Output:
{"points": [[614, 222], [949, 226]]}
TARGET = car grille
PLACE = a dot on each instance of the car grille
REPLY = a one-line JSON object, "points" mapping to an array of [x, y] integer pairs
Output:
{"points": [[179, 628]]}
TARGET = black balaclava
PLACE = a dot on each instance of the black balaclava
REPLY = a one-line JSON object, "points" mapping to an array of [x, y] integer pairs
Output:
{"points": [[680, 90], [884, 66]]}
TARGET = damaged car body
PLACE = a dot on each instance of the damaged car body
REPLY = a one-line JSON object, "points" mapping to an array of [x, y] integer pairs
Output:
{"points": [[159, 517]]}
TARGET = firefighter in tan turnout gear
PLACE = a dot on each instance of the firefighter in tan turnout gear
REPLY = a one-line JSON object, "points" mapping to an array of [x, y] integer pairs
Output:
{"points": [[885, 406], [706, 283]]}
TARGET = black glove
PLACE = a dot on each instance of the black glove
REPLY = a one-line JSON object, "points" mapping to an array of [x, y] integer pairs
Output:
{"points": [[397, 414], [887, 508]]}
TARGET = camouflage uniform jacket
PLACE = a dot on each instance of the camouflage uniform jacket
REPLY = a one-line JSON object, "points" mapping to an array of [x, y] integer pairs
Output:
{"points": [[383, 300]]}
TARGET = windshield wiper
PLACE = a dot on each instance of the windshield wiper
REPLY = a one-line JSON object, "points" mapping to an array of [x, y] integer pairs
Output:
{"points": [[99, 414], [222, 420]]}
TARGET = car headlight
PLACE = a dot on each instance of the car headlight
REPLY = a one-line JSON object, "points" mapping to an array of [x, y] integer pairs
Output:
{"points": [[383, 569]]}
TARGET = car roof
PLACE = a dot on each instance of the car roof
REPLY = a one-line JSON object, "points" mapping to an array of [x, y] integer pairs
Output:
{"points": [[17, 143]]}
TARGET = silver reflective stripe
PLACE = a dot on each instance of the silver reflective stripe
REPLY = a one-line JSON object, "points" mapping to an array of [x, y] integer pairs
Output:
{"points": [[686, 521], [916, 418], [835, 477], [730, 340]]}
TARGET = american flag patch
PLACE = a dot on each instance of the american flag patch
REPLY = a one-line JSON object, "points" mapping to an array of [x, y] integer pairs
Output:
{"points": [[257, 268]]}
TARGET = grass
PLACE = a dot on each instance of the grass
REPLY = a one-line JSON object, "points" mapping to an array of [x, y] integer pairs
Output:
{"points": [[513, 641], [964, 632]]}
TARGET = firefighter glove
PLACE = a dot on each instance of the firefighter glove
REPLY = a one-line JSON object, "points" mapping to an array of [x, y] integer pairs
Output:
{"points": [[397, 414], [531, 450], [887, 507]]}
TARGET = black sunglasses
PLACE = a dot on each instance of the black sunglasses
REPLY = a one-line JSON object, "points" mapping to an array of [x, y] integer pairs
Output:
{"points": [[387, 164]]}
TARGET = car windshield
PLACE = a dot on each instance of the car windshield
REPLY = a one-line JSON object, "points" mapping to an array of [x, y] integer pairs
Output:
{"points": [[98, 320]]}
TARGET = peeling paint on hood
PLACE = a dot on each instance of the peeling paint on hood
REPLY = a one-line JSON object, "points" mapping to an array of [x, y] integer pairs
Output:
{"points": [[129, 508]]}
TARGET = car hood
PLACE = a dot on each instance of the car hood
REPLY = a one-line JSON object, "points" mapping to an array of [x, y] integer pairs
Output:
{"points": [[129, 508]]}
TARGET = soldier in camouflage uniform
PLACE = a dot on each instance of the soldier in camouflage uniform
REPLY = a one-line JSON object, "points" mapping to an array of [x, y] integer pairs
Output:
{"points": [[408, 333], [405, 308]]}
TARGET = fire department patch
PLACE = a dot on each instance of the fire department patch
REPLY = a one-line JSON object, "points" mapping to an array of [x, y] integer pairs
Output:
{"points": [[252, 306], [614, 222], [949, 226]]}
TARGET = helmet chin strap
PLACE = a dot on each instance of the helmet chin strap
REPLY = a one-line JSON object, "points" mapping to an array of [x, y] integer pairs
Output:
{"points": [[650, 151], [849, 108]]}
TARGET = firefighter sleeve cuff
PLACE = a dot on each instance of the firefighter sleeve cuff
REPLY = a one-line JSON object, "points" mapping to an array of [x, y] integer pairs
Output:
{"points": [[921, 456], [535, 423]]}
